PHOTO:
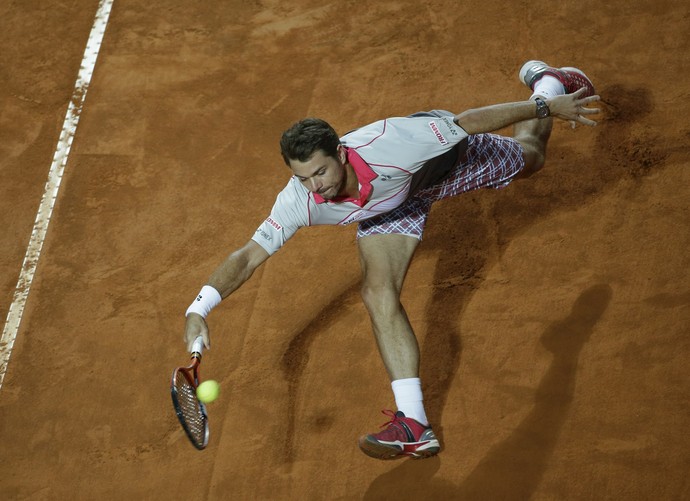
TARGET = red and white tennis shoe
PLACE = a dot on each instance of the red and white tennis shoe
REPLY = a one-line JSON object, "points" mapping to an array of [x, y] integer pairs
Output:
{"points": [[572, 79], [403, 436]]}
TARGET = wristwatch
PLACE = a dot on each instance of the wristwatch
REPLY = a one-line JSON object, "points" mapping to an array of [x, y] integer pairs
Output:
{"points": [[543, 110]]}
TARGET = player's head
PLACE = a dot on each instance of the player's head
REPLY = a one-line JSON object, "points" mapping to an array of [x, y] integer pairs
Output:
{"points": [[306, 137], [312, 150]]}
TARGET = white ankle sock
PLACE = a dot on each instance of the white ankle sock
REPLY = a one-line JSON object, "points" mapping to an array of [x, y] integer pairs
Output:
{"points": [[548, 86], [408, 398]]}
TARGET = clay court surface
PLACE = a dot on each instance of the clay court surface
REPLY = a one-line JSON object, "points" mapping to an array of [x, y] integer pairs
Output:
{"points": [[553, 316]]}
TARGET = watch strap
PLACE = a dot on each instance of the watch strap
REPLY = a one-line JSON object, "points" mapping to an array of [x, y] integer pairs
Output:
{"points": [[543, 110]]}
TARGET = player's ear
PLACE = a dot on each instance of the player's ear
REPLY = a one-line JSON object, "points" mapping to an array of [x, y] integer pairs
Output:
{"points": [[342, 154]]}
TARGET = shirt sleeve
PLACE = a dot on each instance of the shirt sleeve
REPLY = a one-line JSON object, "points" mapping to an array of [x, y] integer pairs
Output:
{"points": [[289, 213], [407, 142]]}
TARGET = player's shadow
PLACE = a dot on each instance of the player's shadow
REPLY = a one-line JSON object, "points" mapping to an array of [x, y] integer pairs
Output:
{"points": [[296, 357], [463, 231], [513, 469], [460, 232]]}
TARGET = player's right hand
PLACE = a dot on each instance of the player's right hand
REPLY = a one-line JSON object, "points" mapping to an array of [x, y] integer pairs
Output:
{"points": [[195, 327]]}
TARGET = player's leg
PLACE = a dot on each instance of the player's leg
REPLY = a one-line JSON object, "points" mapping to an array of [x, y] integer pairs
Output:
{"points": [[385, 259], [533, 136], [545, 81]]}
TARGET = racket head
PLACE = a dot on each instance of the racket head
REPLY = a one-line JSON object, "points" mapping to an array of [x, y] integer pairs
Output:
{"points": [[190, 411]]}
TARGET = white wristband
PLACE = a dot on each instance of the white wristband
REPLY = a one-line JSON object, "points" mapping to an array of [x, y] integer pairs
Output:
{"points": [[207, 299]]}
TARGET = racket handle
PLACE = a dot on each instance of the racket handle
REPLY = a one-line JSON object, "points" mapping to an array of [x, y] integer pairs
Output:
{"points": [[198, 345]]}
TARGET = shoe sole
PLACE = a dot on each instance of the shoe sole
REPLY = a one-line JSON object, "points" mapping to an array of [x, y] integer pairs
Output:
{"points": [[380, 450]]}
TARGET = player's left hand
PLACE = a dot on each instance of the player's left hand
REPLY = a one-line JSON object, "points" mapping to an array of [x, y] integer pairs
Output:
{"points": [[574, 108]]}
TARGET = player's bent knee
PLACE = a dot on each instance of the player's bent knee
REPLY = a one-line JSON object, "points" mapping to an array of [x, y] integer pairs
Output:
{"points": [[380, 299], [534, 160]]}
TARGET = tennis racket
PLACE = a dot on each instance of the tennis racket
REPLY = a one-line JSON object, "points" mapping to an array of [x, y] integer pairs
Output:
{"points": [[190, 412]]}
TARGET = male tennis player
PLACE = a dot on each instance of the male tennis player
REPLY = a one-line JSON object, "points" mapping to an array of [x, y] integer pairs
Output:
{"points": [[385, 176]]}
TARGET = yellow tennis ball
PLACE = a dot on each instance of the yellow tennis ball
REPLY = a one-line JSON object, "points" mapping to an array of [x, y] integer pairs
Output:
{"points": [[208, 391]]}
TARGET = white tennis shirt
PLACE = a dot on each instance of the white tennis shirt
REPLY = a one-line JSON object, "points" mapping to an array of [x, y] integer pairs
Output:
{"points": [[384, 155]]}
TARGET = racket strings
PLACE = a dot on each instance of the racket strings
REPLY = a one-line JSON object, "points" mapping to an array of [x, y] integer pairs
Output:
{"points": [[192, 414]]}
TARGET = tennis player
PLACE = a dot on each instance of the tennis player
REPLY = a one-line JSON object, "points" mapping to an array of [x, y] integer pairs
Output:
{"points": [[385, 176]]}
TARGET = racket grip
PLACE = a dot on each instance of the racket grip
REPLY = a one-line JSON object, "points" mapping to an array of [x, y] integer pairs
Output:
{"points": [[198, 345]]}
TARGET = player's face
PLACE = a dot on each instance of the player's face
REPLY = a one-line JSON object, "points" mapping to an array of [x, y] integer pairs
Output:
{"points": [[322, 174]]}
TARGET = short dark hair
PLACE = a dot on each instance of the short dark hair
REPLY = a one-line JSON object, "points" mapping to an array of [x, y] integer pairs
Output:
{"points": [[306, 137]]}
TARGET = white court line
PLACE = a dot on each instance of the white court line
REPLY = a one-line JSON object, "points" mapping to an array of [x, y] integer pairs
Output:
{"points": [[45, 209]]}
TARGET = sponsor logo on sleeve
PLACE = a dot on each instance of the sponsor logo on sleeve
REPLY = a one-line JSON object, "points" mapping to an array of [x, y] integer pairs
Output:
{"points": [[451, 125], [273, 223], [441, 138], [264, 235]]}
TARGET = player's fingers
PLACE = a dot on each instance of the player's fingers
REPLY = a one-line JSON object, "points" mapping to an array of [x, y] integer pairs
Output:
{"points": [[578, 92], [586, 121], [187, 338], [583, 103], [190, 343]]}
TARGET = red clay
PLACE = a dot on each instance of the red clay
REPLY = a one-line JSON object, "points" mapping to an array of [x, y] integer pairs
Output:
{"points": [[552, 316]]}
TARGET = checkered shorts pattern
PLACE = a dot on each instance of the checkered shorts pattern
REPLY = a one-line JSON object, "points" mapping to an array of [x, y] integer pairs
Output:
{"points": [[492, 161]]}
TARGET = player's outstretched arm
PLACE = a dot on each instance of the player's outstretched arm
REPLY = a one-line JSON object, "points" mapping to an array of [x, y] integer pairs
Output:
{"points": [[228, 277], [237, 268], [569, 107]]}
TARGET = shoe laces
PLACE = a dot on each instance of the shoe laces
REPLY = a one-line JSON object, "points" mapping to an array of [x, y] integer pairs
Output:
{"points": [[393, 415]]}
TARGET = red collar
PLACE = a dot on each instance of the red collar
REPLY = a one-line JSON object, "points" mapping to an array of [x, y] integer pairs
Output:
{"points": [[364, 176]]}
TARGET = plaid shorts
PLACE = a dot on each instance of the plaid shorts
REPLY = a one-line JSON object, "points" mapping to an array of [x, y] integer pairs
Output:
{"points": [[492, 161]]}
